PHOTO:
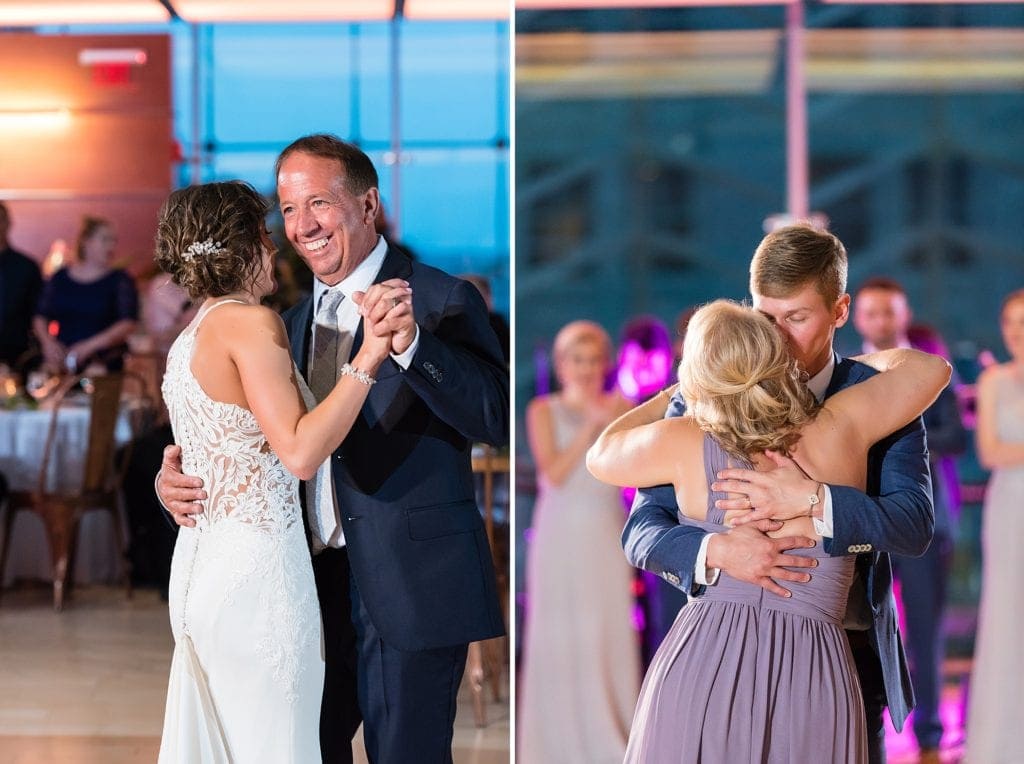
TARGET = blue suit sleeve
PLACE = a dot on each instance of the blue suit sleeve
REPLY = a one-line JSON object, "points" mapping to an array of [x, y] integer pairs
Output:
{"points": [[654, 539], [458, 369], [896, 513]]}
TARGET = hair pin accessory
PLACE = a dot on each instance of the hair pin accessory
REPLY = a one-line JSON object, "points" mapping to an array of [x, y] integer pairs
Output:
{"points": [[197, 248]]}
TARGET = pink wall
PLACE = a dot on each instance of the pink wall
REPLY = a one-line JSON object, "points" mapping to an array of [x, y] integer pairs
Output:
{"points": [[110, 154]]}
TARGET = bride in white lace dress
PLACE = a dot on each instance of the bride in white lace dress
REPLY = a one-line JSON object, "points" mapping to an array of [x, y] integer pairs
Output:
{"points": [[247, 673]]}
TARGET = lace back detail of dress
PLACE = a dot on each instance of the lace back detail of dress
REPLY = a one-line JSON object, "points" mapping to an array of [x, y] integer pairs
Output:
{"points": [[223, 444]]}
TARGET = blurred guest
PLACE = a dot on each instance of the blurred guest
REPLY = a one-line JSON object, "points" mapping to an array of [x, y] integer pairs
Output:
{"points": [[582, 661], [946, 425], [384, 225], [682, 322], [498, 322], [166, 310], [93, 305], [995, 712], [20, 282], [882, 315]]}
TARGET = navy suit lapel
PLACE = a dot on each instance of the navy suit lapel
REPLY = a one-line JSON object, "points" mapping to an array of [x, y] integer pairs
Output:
{"points": [[842, 376]]}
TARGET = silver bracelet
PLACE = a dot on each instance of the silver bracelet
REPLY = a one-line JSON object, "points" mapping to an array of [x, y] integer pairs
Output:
{"points": [[348, 370]]}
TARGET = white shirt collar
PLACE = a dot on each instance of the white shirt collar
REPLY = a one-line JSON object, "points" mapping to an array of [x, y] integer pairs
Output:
{"points": [[358, 280], [818, 384]]}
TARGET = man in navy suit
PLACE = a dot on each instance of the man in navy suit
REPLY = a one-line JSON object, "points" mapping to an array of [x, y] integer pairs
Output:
{"points": [[798, 279], [402, 564]]}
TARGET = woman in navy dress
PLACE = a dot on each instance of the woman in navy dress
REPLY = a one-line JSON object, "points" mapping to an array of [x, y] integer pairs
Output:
{"points": [[91, 306]]}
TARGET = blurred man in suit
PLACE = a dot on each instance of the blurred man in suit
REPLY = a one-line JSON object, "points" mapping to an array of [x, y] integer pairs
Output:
{"points": [[882, 317], [20, 283]]}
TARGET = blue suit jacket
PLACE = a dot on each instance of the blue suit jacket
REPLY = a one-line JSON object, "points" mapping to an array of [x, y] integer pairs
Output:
{"points": [[416, 542], [895, 515]]}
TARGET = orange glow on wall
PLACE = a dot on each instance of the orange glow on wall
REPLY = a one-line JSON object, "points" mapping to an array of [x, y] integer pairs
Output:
{"points": [[35, 12], [72, 145], [457, 9], [290, 10], [31, 120], [580, 4]]}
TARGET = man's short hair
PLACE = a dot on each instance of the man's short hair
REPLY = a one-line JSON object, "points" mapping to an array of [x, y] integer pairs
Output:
{"points": [[360, 174], [795, 255], [882, 284]]}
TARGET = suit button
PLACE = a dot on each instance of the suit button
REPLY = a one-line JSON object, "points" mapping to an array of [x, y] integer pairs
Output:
{"points": [[672, 578], [852, 548], [867, 547]]}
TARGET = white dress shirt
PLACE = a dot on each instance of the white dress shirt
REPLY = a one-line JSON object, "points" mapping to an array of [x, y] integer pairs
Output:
{"points": [[361, 279]]}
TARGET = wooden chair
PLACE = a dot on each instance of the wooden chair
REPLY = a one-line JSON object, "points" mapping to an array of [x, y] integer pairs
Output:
{"points": [[101, 484], [143, 373], [487, 660]]}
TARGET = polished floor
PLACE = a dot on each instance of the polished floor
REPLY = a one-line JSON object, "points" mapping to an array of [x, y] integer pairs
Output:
{"points": [[86, 686]]}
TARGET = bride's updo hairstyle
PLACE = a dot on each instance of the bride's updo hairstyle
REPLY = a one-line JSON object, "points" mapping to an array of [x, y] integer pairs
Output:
{"points": [[740, 383], [208, 238]]}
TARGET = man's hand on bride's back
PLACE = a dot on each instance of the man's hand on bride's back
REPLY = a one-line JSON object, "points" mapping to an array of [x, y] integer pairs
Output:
{"points": [[181, 495], [748, 555]]}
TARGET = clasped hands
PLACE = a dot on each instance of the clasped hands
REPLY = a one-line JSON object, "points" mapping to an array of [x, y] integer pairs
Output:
{"points": [[745, 552], [386, 309]]}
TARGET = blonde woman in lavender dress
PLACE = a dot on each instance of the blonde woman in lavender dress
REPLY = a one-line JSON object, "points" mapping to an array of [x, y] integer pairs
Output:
{"points": [[581, 670], [746, 676], [247, 672]]}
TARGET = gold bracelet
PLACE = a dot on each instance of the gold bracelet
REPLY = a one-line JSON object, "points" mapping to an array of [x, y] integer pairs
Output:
{"points": [[348, 370]]}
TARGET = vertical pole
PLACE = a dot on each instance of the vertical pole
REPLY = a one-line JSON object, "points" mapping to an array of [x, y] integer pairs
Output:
{"points": [[395, 211], [195, 160], [796, 113]]}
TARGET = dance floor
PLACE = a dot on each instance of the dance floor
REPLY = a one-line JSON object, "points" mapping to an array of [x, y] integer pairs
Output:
{"points": [[87, 686], [901, 746]]}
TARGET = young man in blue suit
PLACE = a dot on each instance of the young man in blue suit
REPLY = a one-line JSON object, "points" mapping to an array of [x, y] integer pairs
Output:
{"points": [[402, 564], [798, 279]]}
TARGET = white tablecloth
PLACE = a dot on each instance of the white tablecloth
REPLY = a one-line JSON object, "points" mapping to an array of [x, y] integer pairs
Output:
{"points": [[22, 439]]}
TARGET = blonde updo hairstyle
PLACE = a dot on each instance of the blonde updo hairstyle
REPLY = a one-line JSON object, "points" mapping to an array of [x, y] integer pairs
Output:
{"points": [[740, 383], [227, 217], [577, 333]]}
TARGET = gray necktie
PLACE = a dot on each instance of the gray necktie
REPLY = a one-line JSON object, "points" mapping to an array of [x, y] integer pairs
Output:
{"points": [[323, 366], [323, 373]]}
